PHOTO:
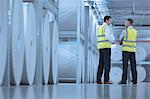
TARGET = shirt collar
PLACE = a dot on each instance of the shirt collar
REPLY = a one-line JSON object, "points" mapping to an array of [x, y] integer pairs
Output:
{"points": [[105, 23], [130, 26]]}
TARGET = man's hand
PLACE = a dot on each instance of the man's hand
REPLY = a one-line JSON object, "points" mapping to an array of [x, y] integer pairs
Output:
{"points": [[121, 42]]}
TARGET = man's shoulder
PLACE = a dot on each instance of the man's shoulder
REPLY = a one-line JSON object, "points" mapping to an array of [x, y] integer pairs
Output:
{"points": [[135, 30], [101, 26]]}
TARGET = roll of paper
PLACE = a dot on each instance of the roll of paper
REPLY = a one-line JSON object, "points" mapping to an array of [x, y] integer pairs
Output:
{"points": [[95, 68], [140, 53], [88, 66], [83, 68], [55, 53], [3, 36], [46, 48], [91, 68], [30, 41], [141, 74], [115, 74], [67, 61], [17, 40]]}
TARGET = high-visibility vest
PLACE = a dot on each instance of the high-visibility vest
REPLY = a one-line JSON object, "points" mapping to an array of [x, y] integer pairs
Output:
{"points": [[129, 40], [102, 41]]}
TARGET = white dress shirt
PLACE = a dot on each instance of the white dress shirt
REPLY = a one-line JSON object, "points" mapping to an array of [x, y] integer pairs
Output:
{"points": [[109, 34]]}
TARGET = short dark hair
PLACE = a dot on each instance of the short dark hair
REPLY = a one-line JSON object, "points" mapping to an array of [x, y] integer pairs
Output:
{"points": [[130, 21], [107, 18]]}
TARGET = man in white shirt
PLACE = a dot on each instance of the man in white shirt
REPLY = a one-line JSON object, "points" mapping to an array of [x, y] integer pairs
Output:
{"points": [[105, 39]]}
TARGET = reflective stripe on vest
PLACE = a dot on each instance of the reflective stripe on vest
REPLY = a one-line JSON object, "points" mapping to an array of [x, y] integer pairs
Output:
{"points": [[101, 36], [129, 41], [129, 46], [104, 41]]}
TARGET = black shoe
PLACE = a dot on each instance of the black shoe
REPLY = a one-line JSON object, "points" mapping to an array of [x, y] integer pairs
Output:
{"points": [[122, 82], [134, 82]]}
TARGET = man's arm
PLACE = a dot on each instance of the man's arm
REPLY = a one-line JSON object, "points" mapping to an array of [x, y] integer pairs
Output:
{"points": [[109, 34], [121, 37]]}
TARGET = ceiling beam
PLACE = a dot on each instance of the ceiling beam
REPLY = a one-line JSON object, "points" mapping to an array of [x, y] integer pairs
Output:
{"points": [[139, 25], [28, 0]]}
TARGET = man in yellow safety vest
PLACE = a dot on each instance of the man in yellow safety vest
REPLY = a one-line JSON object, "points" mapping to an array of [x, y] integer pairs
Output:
{"points": [[105, 38], [128, 38]]}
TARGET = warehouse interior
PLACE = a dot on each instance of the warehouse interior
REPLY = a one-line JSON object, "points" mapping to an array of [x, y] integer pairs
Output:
{"points": [[59, 58]]}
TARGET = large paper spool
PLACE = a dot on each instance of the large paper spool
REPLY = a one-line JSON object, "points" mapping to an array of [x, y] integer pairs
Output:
{"points": [[89, 64], [116, 52], [67, 61], [82, 64], [55, 53], [3, 37], [140, 53], [91, 68], [115, 74], [46, 48], [30, 42], [79, 64], [96, 65], [95, 68], [17, 40], [141, 74], [88, 67]]}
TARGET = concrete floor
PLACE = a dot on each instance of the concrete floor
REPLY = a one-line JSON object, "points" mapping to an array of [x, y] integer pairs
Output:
{"points": [[77, 91]]}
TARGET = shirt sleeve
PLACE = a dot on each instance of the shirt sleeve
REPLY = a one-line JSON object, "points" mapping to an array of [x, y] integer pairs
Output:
{"points": [[109, 34], [121, 36], [97, 29]]}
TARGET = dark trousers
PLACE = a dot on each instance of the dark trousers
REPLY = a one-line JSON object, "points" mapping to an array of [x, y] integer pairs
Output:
{"points": [[104, 64], [129, 56]]}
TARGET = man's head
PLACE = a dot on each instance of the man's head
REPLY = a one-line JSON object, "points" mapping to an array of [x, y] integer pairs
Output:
{"points": [[128, 22], [107, 19]]}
